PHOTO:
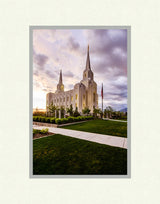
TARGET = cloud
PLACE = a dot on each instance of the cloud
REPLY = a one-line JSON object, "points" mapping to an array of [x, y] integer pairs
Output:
{"points": [[73, 44], [109, 50], [50, 74], [40, 60], [67, 49], [68, 74]]}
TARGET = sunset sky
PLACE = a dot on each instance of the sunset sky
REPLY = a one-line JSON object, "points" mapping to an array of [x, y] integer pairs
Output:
{"points": [[67, 50]]}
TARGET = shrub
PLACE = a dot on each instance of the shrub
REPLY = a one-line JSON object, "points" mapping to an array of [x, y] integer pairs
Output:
{"points": [[64, 120], [76, 119], [82, 118], [34, 118], [43, 131], [39, 118], [70, 119], [58, 121], [52, 120], [76, 113], [42, 119], [47, 120], [86, 110], [35, 131]]}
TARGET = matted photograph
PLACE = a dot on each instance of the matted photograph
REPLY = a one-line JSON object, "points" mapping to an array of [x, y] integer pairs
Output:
{"points": [[80, 101]]}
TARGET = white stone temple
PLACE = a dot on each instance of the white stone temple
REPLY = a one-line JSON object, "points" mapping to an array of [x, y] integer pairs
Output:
{"points": [[83, 95]]}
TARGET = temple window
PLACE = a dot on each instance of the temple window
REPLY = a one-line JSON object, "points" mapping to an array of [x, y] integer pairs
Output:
{"points": [[94, 97]]}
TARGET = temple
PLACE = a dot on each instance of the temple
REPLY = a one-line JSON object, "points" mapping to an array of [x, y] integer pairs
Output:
{"points": [[84, 94]]}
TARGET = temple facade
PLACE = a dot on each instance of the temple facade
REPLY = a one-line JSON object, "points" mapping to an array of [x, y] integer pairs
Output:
{"points": [[84, 94]]}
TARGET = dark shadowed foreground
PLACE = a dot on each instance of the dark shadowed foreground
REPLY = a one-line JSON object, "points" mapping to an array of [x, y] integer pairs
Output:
{"points": [[62, 155]]}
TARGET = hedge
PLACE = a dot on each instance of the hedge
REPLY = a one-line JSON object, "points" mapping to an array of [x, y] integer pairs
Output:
{"points": [[43, 131], [61, 121]]}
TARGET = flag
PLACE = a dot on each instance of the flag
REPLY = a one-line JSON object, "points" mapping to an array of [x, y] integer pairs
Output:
{"points": [[102, 91]]}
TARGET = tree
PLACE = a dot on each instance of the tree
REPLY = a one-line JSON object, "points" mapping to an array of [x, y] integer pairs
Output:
{"points": [[86, 110], [76, 113], [62, 111], [105, 113], [108, 110], [52, 108], [70, 110], [96, 111]]}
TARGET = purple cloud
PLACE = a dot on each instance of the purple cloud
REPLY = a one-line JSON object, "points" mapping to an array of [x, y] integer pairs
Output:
{"points": [[73, 44], [40, 60], [56, 49], [68, 74]]}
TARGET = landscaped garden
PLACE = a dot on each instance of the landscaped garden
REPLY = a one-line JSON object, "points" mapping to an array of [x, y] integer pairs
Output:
{"points": [[105, 127], [41, 133], [63, 155]]}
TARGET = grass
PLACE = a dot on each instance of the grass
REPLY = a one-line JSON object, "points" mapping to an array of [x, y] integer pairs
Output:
{"points": [[63, 155], [118, 119], [105, 127]]}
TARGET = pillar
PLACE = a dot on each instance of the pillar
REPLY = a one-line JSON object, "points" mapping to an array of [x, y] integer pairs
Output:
{"points": [[59, 114]]}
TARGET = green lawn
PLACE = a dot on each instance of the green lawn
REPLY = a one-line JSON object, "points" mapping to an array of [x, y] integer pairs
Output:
{"points": [[63, 155], [102, 127]]}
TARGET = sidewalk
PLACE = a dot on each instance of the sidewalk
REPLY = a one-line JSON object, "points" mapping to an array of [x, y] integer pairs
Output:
{"points": [[94, 137]]}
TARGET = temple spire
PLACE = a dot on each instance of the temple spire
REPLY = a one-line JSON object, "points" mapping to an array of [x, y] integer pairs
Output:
{"points": [[88, 66], [60, 86], [60, 77]]}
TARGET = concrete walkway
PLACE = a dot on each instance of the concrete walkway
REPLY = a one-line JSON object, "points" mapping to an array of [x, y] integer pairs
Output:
{"points": [[94, 137]]}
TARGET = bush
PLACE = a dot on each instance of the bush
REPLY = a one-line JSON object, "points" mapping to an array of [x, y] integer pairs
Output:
{"points": [[39, 118], [34, 118], [61, 121], [83, 118], [70, 119], [47, 120], [52, 120], [76, 113], [35, 131], [42, 119], [43, 131], [76, 119], [64, 120], [58, 121]]}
